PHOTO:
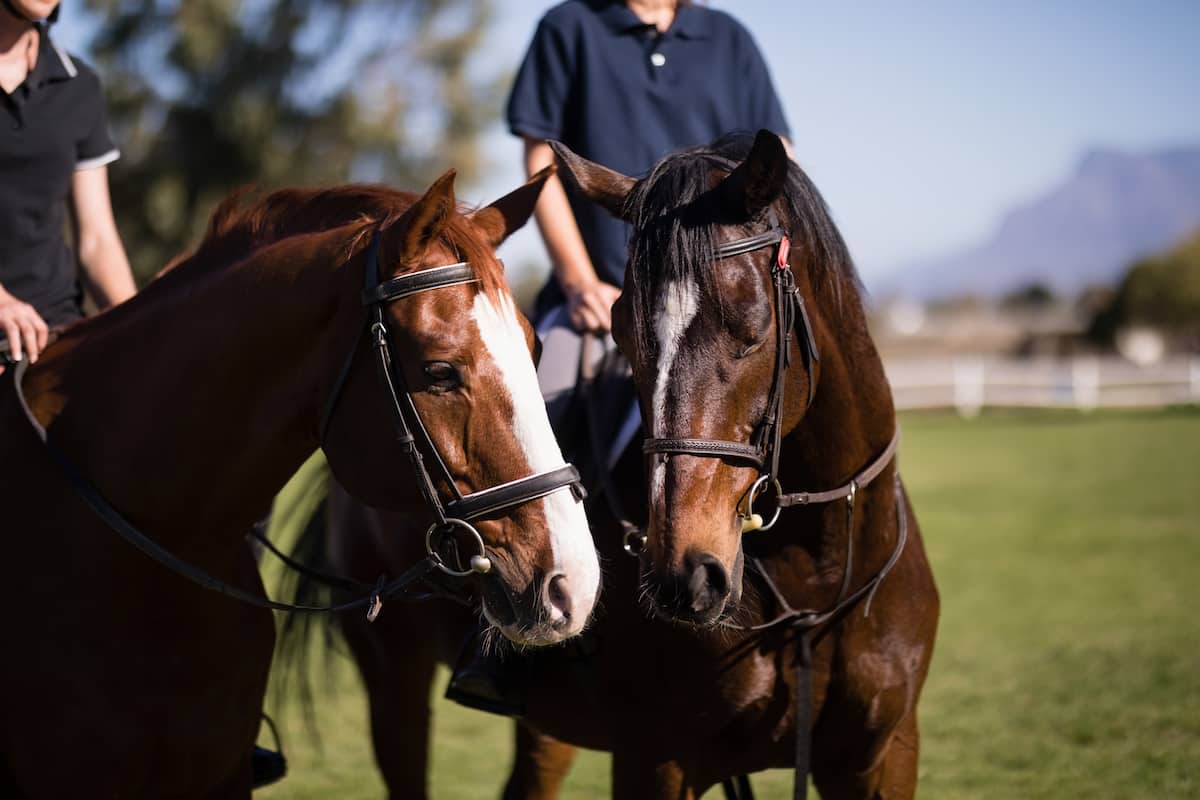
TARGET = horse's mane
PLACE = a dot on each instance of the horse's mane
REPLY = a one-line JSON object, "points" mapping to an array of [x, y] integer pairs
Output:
{"points": [[673, 212], [236, 229]]}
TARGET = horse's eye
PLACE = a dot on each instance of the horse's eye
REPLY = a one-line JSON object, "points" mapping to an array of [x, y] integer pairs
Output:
{"points": [[746, 349], [443, 375]]}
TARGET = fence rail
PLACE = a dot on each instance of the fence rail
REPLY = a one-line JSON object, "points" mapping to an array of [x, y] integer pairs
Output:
{"points": [[972, 384]]}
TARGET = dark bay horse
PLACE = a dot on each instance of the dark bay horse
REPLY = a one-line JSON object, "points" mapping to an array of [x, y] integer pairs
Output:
{"points": [[742, 318], [188, 407]]}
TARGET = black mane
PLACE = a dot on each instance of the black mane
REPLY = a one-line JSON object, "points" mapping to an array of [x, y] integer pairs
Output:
{"points": [[674, 214]]}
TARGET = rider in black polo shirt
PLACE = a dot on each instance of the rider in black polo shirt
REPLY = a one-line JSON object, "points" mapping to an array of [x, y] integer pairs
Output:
{"points": [[54, 152]]}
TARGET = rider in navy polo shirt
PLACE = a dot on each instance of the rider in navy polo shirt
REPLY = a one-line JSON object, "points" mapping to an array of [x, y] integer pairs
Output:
{"points": [[623, 84], [54, 148]]}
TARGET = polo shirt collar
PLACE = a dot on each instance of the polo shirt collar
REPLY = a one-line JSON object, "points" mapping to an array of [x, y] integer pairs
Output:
{"points": [[53, 63], [689, 23]]}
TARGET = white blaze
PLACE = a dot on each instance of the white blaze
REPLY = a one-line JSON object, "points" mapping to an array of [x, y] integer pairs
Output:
{"points": [[571, 544], [679, 305]]}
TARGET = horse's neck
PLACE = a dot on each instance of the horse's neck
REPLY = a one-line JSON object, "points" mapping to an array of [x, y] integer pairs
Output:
{"points": [[849, 425], [193, 403], [852, 418]]}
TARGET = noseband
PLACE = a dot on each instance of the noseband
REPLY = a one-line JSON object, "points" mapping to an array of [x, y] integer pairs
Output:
{"points": [[410, 429]]}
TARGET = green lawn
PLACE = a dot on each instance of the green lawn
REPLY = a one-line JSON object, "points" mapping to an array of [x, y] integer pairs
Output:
{"points": [[1067, 551]]}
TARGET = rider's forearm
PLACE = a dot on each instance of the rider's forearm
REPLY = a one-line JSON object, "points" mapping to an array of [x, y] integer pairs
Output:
{"points": [[572, 266], [107, 271], [101, 255]]}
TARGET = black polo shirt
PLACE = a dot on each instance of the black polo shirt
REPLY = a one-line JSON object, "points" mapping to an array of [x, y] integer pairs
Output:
{"points": [[617, 92], [50, 126]]}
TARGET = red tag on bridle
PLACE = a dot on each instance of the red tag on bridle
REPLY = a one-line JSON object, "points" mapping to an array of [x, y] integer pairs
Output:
{"points": [[785, 250]]}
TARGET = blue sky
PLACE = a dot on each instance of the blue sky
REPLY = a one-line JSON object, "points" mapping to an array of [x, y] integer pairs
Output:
{"points": [[923, 122]]}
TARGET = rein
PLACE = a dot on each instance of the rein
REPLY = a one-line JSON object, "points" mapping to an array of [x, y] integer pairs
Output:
{"points": [[805, 622], [455, 514], [92, 497]]}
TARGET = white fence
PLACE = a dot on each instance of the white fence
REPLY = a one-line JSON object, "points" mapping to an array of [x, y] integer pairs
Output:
{"points": [[971, 384]]}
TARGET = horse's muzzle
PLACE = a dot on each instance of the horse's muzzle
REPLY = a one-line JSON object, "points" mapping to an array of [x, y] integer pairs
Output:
{"points": [[697, 593], [547, 611]]}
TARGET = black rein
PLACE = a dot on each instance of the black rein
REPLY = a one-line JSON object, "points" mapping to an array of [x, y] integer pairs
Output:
{"points": [[405, 419]]}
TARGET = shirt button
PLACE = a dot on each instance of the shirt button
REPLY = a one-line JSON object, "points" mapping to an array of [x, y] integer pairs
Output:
{"points": [[658, 59]]}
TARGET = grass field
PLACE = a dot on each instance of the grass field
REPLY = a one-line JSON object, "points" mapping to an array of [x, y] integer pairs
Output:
{"points": [[1067, 552]]}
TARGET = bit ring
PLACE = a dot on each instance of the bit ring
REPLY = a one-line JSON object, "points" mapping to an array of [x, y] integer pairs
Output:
{"points": [[756, 491], [479, 564]]}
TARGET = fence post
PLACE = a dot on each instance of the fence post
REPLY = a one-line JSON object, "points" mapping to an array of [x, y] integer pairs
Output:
{"points": [[1085, 383], [968, 387], [1195, 380]]}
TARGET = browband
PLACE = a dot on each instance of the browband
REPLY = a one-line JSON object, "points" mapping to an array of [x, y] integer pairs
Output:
{"points": [[416, 282], [750, 243]]}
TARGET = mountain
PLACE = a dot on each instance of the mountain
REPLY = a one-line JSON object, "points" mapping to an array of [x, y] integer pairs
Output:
{"points": [[1114, 208]]}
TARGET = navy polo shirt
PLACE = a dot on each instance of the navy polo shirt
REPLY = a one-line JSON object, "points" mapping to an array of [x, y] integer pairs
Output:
{"points": [[50, 126], [619, 93]]}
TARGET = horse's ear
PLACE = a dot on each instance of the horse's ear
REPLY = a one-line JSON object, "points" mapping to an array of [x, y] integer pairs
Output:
{"points": [[601, 185], [421, 224], [757, 182], [502, 218]]}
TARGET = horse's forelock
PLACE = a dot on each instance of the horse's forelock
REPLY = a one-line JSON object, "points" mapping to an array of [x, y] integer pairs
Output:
{"points": [[466, 241], [670, 244], [672, 213]]}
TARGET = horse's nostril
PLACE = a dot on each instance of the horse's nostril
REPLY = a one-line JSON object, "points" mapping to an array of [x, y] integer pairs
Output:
{"points": [[558, 600], [708, 584]]}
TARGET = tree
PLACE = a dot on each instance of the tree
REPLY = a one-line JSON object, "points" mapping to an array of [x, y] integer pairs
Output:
{"points": [[209, 95], [1030, 297], [1162, 291]]}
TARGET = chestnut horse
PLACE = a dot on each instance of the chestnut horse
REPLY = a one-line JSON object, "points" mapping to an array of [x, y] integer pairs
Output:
{"points": [[742, 318], [182, 412]]}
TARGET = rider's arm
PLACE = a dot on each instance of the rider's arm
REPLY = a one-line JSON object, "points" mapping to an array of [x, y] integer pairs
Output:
{"points": [[589, 299], [101, 255]]}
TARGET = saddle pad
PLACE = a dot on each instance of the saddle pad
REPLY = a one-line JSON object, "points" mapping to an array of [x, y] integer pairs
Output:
{"points": [[611, 398]]}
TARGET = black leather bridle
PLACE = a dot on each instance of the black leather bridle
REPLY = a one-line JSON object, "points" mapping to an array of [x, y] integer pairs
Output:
{"points": [[411, 432], [762, 452]]}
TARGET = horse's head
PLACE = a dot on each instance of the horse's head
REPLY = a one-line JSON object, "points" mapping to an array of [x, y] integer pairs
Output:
{"points": [[458, 376], [700, 319]]}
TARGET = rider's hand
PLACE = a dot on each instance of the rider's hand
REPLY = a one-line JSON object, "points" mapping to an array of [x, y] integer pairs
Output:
{"points": [[590, 307], [24, 328]]}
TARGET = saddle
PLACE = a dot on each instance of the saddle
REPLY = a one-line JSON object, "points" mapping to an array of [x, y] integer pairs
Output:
{"points": [[590, 398]]}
